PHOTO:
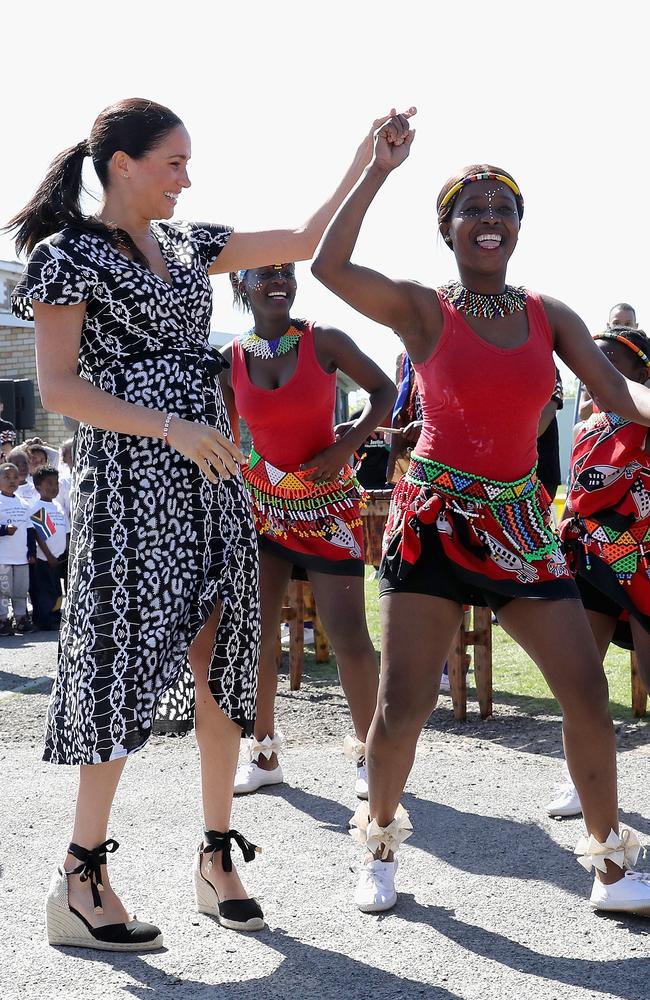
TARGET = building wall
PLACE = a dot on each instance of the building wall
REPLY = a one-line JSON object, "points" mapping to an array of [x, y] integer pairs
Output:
{"points": [[18, 359]]}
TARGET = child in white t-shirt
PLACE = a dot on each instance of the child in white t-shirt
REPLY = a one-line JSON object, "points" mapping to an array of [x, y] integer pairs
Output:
{"points": [[17, 552], [52, 529], [25, 490]]}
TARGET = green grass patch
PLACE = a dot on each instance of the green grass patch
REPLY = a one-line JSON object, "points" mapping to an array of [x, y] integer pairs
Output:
{"points": [[516, 679]]}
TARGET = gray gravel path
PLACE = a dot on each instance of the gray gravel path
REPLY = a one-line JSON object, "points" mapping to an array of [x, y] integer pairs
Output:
{"points": [[491, 900]]}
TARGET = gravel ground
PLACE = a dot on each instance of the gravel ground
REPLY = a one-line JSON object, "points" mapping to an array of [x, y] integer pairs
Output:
{"points": [[492, 903]]}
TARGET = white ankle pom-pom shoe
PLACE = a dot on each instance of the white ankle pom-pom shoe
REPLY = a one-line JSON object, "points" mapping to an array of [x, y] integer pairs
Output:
{"points": [[355, 750], [375, 890], [250, 776], [631, 893]]}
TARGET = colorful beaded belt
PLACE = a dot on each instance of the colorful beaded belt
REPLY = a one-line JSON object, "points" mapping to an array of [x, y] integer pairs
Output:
{"points": [[467, 486]]}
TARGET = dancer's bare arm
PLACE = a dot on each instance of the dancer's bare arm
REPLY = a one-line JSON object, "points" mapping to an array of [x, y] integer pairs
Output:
{"points": [[246, 250], [607, 387], [404, 306]]}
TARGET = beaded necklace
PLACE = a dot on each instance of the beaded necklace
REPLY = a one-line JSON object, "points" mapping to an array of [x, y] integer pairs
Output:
{"points": [[262, 348], [485, 305]]}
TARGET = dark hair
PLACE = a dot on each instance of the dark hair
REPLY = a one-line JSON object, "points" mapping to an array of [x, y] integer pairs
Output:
{"points": [[135, 126], [18, 451], [623, 305], [636, 337], [31, 448], [444, 214], [42, 473], [8, 465], [239, 295]]}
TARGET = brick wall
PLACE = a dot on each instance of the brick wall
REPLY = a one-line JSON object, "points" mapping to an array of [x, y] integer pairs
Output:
{"points": [[18, 360]]}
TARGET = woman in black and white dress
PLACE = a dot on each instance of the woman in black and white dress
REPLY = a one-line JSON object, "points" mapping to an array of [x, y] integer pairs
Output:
{"points": [[163, 558]]}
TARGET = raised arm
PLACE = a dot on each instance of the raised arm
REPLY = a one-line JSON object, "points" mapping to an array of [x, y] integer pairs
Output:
{"points": [[606, 385], [404, 306], [246, 250], [63, 391]]}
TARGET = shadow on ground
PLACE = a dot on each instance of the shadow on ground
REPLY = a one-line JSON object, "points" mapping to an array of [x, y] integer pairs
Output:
{"points": [[306, 971]]}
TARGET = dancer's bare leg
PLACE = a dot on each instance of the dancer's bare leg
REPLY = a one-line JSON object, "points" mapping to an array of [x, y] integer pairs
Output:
{"points": [[341, 605], [275, 574], [218, 738], [557, 636], [642, 649], [417, 632], [603, 627]]}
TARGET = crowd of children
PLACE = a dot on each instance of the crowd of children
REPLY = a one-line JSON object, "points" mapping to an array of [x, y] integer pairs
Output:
{"points": [[34, 532]]}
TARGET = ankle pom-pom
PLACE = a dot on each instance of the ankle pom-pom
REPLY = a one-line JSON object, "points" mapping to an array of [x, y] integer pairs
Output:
{"points": [[621, 849], [369, 834], [353, 748], [266, 747]]}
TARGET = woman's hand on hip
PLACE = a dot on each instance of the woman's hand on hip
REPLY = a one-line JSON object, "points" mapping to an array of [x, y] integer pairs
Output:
{"points": [[215, 455], [327, 465]]}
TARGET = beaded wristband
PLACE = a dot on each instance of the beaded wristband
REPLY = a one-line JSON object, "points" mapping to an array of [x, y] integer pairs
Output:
{"points": [[166, 426]]}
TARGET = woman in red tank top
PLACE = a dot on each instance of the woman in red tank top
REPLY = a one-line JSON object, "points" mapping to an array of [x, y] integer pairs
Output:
{"points": [[469, 521], [305, 498]]}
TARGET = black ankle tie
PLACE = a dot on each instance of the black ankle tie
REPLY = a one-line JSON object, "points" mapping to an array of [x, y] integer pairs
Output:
{"points": [[215, 841], [90, 867]]}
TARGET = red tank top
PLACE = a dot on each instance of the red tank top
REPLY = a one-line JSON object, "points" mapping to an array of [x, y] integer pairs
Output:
{"points": [[481, 404], [291, 424]]}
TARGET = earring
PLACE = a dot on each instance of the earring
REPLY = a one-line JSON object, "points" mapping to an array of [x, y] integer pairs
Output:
{"points": [[125, 175]]}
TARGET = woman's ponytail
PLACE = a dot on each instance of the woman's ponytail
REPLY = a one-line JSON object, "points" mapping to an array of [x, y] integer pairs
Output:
{"points": [[57, 201], [135, 126]]}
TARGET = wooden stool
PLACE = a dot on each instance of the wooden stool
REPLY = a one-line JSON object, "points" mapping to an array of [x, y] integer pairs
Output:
{"points": [[299, 606], [374, 521], [480, 637], [639, 693]]}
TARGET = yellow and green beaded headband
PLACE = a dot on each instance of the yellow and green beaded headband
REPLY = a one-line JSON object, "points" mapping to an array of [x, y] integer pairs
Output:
{"points": [[619, 338], [486, 176]]}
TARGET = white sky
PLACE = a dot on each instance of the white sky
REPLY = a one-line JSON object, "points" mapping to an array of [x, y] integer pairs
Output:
{"points": [[277, 96]]}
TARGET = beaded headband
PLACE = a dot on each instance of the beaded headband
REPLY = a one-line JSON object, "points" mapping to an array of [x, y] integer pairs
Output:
{"points": [[244, 271], [627, 343], [487, 176]]}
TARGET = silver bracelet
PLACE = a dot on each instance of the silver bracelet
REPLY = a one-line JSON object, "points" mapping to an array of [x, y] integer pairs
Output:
{"points": [[166, 426]]}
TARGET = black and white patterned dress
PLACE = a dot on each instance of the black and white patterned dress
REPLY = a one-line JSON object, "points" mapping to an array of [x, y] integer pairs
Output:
{"points": [[154, 544]]}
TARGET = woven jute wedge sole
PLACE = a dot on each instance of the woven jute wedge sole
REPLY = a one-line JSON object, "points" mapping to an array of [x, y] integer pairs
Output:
{"points": [[207, 902], [65, 929]]}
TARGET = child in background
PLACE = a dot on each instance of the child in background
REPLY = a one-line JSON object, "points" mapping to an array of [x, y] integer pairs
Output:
{"points": [[606, 529], [17, 552], [25, 490], [65, 475], [52, 529]]}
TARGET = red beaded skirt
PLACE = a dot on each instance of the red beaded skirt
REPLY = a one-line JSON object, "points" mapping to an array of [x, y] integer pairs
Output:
{"points": [[315, 526], [496, 536]]}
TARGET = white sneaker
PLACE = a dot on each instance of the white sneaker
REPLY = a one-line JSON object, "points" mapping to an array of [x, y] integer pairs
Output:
{"points": [[250, 777], [307, 637], [361, 783], [375, 889], [445, 683], [631, 894], [567, 801]]}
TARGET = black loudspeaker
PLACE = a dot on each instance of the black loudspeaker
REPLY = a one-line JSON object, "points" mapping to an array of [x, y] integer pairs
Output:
{"points": [[8, 397], [25, 404]]}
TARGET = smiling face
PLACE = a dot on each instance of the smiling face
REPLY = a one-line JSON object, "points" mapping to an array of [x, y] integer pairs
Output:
{"points": [[155, 181], [483, 227], [271, 290]]}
